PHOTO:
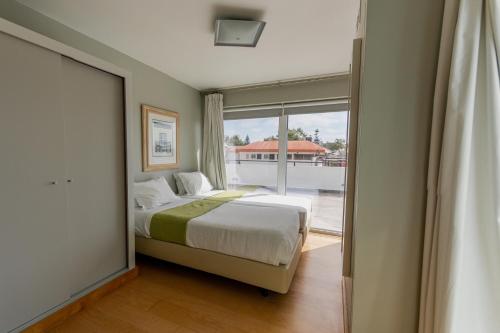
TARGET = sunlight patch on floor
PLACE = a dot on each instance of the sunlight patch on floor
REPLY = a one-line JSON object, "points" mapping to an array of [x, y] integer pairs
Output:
{"points": [[320, 241]]}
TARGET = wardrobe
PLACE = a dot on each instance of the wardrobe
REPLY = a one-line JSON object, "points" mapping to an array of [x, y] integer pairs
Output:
{"points": [[63, 180]]}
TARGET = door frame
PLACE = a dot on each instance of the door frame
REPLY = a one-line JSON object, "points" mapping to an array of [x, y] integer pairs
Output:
{"points": [[348, 241], [282, 152]]}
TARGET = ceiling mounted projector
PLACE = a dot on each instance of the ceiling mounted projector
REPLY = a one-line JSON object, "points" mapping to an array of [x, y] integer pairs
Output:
{"points": [[233, 32]]}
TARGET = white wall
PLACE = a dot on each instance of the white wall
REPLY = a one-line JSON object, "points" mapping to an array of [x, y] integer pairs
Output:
{"points": [[400, 57], [300, 176]]}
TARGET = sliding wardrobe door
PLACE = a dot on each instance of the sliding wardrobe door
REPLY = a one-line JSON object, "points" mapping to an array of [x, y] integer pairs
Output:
{"points": [[93, 104], [33, 235]]}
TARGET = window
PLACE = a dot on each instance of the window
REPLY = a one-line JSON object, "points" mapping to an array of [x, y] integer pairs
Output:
{"points": [[318, 165], [247, 137], [313, 166]]}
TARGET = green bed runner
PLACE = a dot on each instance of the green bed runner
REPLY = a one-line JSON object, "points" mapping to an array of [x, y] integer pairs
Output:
{"points": [[170, 225]]}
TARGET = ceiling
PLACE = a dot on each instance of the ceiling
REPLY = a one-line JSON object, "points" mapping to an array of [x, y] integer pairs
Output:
{"points": [[301, 38]]}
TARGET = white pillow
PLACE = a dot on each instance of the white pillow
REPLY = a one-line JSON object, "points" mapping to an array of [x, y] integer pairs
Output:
{"points": [[180, 187], [195, 182], [153, 193]]}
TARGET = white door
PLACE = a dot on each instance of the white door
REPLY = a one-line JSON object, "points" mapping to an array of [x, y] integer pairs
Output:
{"points": [[33, 234], [95, 170]]}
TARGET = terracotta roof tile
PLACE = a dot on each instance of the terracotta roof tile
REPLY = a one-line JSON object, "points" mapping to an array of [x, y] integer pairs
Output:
{"points": [[272, 146]]}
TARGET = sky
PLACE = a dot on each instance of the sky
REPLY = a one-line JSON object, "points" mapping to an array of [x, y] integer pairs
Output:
{"points": [[331, 125]]}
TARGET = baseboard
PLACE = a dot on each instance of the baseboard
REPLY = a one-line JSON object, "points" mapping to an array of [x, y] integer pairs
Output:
{"points": [[61, 315], [326, 232]]}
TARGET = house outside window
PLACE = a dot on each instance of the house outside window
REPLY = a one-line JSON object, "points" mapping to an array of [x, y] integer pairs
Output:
{"points": [[303, 157]]}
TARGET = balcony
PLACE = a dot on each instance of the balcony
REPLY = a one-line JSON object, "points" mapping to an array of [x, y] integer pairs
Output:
{"points": [[322, 182]]}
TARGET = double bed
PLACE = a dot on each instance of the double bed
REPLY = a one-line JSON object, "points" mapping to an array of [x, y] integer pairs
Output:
{"points": [[253, 238]]}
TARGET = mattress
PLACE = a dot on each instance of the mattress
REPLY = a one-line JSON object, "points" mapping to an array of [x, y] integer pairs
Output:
{"points": [[266, 234], [302, 206]]}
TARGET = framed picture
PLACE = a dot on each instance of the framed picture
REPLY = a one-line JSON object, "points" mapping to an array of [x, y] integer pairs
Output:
{"points": [[160, 139]]}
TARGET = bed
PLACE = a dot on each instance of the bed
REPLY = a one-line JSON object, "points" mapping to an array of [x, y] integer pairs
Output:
{"points": [[254, 238], [302, 206]]}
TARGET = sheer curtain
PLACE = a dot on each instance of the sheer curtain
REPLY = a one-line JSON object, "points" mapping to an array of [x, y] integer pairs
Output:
{"points": [[213, 164], [461, 261]]}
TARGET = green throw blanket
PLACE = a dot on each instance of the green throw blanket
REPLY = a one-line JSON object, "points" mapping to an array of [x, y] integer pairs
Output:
{"points": [[170, 225]]}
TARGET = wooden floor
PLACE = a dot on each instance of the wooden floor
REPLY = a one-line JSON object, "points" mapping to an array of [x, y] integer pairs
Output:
{"points": [[170, 298]]}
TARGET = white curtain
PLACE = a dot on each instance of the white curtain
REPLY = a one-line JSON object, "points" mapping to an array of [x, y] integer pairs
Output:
{"points": [[213, 165], [461, 262]]}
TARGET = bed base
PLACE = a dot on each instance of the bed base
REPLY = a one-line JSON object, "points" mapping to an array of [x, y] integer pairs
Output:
{"points": [[274, 278]]}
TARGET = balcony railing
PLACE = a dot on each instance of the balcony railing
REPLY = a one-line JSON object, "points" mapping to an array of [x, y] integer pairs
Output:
{"points": [[325, 175], [330, 162]]}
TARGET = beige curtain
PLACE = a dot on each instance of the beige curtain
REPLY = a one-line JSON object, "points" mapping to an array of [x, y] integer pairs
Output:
{"points": [[213, 165], [460, 289]]}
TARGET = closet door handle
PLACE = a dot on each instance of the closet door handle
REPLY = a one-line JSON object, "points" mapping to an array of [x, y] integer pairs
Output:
{"points": [[53, 182], [69, 180]]}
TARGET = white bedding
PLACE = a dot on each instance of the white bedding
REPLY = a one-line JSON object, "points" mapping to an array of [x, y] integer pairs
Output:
{"points": [[262, 233], [303, 206]]}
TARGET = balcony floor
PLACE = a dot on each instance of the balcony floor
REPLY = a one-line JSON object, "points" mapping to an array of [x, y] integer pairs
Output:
{"points": [[327, 206]]}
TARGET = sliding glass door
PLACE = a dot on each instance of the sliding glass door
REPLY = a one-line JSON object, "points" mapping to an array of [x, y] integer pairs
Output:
{"points": [[294, 149], [251, 150], [316, 163]]}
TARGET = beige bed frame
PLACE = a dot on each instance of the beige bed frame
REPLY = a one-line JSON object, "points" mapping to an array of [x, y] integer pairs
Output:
{"points": [[275, 278]]}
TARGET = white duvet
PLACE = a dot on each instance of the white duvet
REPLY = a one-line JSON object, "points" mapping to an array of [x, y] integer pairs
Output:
{"points": [[262, 233], [302, 206]]}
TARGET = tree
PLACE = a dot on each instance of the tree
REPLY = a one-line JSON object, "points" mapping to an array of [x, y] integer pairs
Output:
{"points": [[235, 140], [294, 134], [316, 137], [247, 140], [297, 134], [271, 138], [337, 145]]}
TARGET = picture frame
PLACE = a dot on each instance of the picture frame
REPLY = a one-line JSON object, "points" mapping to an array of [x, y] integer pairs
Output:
{"points": [[160, 139]]}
